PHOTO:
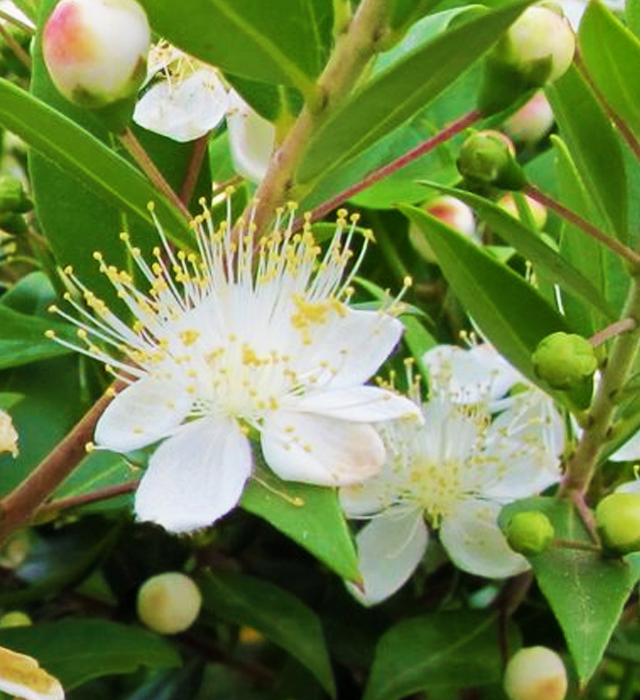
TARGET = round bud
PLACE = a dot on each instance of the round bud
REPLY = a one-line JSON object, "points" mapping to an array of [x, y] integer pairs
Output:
{"points": [[169, 603], [531, 122], [8, 435], [535, 673], [96, 50], [564, 360], [450, 211], [539, 45], [529, 533], [537, 211], [15, 618], [16, 549], [618, 522], [487, 158], [13, 198]]}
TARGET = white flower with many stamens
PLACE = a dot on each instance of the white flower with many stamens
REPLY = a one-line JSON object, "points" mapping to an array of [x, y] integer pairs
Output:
{"points": [[244, 336], [452, 473]]}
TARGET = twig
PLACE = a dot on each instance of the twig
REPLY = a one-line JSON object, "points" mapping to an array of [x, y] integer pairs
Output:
{"points": [[84, 499]]}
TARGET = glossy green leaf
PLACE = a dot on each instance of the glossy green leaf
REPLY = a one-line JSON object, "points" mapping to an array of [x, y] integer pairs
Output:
{"points": [[632, 16], [407, 11], [610, 54], [442, 650], [77, 650], [532, 247], [22, 338], [275, 613], [599, 160], [507, 309], [306, 514], [586, 592], [397, 93], [283, 41]]}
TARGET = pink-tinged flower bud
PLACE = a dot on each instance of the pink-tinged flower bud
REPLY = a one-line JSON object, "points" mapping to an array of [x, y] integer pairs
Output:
{"points": [[169, 603], [618, 522], [450, 211], [96, 50], [531, 122], [540, 45], [537, 211], [535, 673]]}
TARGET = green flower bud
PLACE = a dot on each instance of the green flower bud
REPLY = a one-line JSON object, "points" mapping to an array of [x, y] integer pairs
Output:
{"points": [[169, 603], [530, 532], [618, 522], [535, 673], [487, 159], [96, 50], [13, 198], [15, 618], [564, 360]]}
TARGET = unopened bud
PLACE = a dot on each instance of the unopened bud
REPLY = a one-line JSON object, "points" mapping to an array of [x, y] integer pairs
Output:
{"points": [[487, 158], [8, 435], [618, 522], [564, 360], [529, 533], [16, 549], [531, 122], [537, 211], [535, 673], [96, 50], [450, 211], [169, 603], [15, 618], [13, 197]]}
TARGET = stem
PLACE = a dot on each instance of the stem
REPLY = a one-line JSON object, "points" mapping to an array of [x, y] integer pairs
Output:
{"points": [[104, 494], [584, 461], [20, 53], [586, 226], [354, 50], [193, 170], [141, 157], [18, 507], [425, 147], [626, 324]]}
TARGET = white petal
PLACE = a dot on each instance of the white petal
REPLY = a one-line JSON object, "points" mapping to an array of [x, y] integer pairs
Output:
{"points": [[629, 487], [141, 414], [361, 404], [475, 543], [353, 345], [251, 139], [390, 548], [186, 110], [629, 452], [195, 476], [368, 498], [320, 450]]}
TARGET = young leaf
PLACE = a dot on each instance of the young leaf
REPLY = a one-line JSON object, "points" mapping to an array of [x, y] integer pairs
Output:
{"points": [[442, 650], [77, 650], [273, 612], [585, 591], [306, 514], [400, 91]]}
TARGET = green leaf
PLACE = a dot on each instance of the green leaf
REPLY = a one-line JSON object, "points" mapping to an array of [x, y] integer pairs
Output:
{"points": [[282, 41], [610, 54], [22, 338], [400, 91], [632, 15], [275, 613], [442, 650], [75, 651], [599, 160], [531, 246], [306, 514], [586, 592], [507, 309]]}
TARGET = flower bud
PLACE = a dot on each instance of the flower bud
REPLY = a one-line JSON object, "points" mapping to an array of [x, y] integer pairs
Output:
{"points": [[529, 533], [15, 618], [531, 122], [169, 603], [618, 522], [535, 673], [8, 435], [13, 198], [538, 211], [450, 211], [487, 158], [96, 50], [564, 360]]}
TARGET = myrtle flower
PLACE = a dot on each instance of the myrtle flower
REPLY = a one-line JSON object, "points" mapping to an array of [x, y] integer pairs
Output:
{"points": [[452, 474], [21, 677], [246, 338], [184, 99]]}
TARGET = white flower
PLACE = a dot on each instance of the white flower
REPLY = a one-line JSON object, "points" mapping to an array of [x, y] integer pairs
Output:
{"points": [[8, 435], [245, 336], [22, 677], [455, 471]]}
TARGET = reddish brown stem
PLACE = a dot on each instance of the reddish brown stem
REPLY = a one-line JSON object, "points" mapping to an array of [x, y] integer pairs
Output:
{"points": [[18, 507], [195, 165], [84, 499]]}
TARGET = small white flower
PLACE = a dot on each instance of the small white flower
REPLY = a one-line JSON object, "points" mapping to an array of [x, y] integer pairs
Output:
{"points": [[8, 435], [22, 677], [245, 336], [455, 471]]}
